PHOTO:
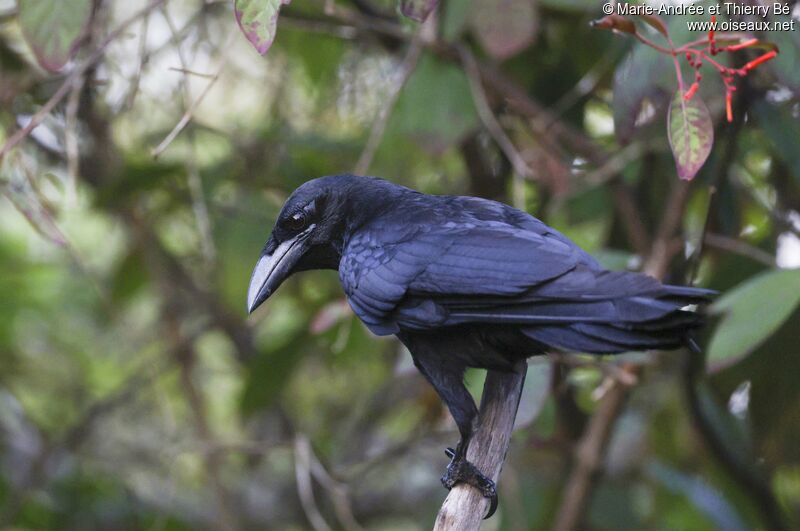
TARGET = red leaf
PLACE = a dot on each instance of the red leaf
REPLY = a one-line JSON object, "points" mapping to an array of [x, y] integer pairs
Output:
{"points": [[258, 20], [691, 134], [53, 29]]}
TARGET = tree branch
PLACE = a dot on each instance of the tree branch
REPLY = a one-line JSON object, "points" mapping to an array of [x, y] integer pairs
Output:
{"points": [[464, 508], [589, 456], [379, 125], [69, 81], [485, 113]]}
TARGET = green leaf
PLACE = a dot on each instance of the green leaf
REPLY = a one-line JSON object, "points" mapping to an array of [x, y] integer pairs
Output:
{"points": [[709, 501], [691, 134], [129, 277], [454, 19], [504, 27], [435, 107], [53, 29], [258, 20], [752, 312], [417, 9]]}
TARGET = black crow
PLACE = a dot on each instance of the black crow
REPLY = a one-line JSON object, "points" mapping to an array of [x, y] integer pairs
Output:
{"points": [[465, 282]]}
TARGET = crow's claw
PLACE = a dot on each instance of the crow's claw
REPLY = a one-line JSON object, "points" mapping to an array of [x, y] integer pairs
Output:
{"points": [[462, 471], [492, 507]]}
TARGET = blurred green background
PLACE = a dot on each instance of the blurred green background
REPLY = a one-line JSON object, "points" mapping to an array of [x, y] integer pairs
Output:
{"points": [[135, 392]]}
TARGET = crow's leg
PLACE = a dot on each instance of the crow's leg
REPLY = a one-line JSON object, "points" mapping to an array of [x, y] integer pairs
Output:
{"points": [[447, 377]]}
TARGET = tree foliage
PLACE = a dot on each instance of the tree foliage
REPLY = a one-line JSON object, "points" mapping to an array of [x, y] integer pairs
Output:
{"points": [[146, 147]]}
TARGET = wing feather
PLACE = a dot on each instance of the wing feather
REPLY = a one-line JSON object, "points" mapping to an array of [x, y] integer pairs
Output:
{"points": [[380, 270], [501, 266]]}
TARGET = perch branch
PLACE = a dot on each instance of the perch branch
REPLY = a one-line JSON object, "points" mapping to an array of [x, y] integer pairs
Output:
{"points": [[464, 508]]}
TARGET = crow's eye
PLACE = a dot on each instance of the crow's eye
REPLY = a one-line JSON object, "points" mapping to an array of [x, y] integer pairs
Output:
{"points": [[297, 221]]}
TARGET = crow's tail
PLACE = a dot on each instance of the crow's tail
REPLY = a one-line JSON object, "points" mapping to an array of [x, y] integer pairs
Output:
{"points": [[655, 320]]}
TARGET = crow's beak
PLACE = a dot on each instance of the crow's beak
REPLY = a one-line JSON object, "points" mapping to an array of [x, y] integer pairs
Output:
{"points": [[274, 266]]}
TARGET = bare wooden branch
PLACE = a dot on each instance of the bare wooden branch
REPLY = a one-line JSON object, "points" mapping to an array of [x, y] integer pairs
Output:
{"points": [[589, 456], [187, 116], [199, 205], [302, 468], [339, 493], [740, 247], [465, 507]]}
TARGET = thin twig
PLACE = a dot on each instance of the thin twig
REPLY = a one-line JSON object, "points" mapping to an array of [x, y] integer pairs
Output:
{"points": [[630, 217], [588, 459], [187, 116], [620, 160], [338, 492], [184, 70], [71, 137], [521, 169], [662, 251], [199, 206], [67, 84], [189, 113], [407, 67], [137, 78], [739, 247], [585, 85], [302, 470]]}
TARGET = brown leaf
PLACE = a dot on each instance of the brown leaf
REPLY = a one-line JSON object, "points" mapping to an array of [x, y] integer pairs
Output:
{"points": [[504, 27], [615, 23], [656, 22]]}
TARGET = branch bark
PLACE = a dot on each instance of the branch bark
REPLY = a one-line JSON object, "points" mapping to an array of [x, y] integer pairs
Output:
{"points": [[464, 508], [589, 457]]}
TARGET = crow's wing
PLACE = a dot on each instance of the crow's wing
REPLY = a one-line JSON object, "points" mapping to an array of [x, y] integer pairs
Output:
{"points": [[426, 276], [394, 274]]}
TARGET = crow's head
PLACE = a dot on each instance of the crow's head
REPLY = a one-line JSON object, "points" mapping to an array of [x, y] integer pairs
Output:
{"points": [[309, 232]]}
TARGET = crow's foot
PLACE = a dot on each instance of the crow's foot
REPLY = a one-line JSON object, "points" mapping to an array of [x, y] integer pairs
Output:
{"points": [[462, 471]]}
